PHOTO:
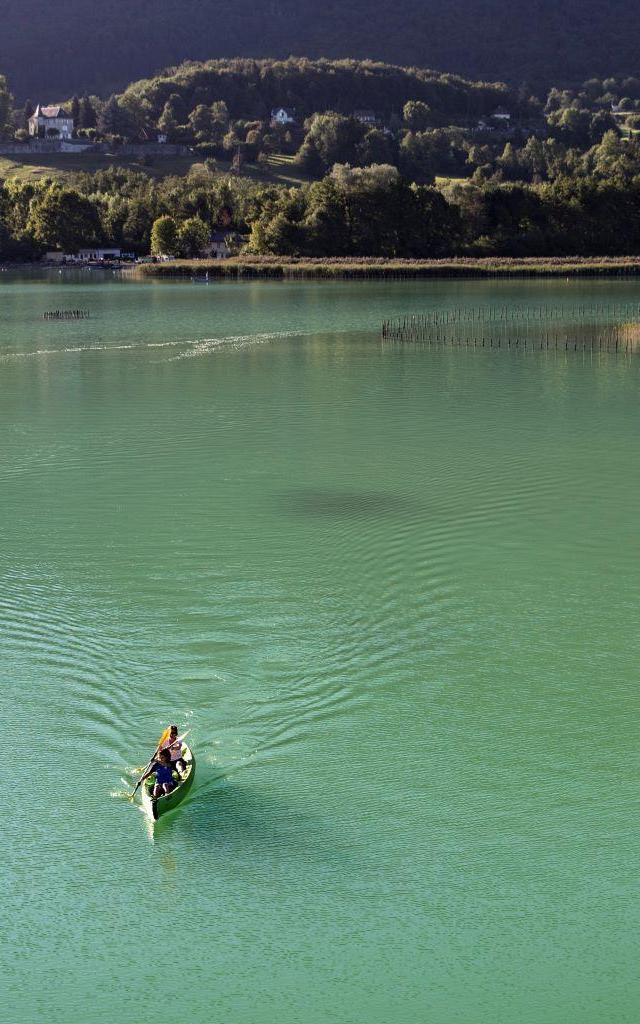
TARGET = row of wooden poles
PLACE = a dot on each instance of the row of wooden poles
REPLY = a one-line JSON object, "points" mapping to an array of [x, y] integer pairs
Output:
{"points": [[611, 341], [513, 314], [66, 314], [545, 327]]}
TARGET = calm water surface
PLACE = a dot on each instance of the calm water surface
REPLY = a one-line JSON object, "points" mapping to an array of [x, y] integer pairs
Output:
{"points": [[393, 592]]}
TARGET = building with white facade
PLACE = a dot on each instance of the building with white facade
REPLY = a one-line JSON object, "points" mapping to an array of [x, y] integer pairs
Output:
{"points": [[50, 123], [283, 116]]}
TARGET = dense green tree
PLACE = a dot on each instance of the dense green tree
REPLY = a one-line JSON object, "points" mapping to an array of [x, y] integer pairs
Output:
{"points": [[331, 138], [62, 218], [201, 123], [167, 122], [6, 105], [164, 237], [357, 211], [418, 157], [115, 119], [87, 116], [377, 147], [417, 116], [193, 237], [27, 111], [571, 126]]}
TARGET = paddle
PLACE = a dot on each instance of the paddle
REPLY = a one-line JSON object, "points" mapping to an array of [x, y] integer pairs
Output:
{"points": [[162, 739]]}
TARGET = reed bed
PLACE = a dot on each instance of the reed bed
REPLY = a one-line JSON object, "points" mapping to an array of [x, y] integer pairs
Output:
{"points": [[292, 267], [595, 328]]}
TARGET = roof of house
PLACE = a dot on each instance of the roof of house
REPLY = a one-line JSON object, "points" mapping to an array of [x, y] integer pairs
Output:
{"points": [[289, 111], [56, 111], [365, 113]]}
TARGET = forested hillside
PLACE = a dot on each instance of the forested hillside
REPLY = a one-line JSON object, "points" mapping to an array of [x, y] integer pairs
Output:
{"points": [[251, 89], [49, 51]]}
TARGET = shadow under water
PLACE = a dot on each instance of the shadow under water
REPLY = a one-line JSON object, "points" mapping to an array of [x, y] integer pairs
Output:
{"points": [[312, 503], [242, 821]]}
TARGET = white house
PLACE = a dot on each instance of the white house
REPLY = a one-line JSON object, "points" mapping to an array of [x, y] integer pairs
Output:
{"points": [[223, 242], [366, 117], [217, 246], [98, 254], [501, 115], [283, 116], [84, 255], [50, 122]]}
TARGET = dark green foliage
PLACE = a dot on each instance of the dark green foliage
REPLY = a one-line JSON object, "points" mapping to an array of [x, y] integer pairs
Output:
{"points": [[6, 102], [358, 212], [87, 115], [331, 138], [63, 217], [27, 111], [541, 198], [115, 119], [417, 116], [251, 89], [164, 237], [442, 151]]}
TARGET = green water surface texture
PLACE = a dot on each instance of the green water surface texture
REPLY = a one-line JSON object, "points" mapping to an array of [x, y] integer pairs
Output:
{"points": [[392, 591]]}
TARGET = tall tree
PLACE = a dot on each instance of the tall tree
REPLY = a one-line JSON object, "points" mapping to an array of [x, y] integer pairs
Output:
{"points": [[114, 119], [417, 116], [75, 112], [87, 115], [193, 237], [164, 237], [167, 122], [6, 104], [62, 218], [27, 112]]}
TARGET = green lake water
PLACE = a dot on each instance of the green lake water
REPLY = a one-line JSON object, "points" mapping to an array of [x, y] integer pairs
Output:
{"points": [[393, 592]]}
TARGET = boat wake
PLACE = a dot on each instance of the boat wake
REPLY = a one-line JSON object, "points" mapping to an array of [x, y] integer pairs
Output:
{"points": [[233, 341], [192, 348]]}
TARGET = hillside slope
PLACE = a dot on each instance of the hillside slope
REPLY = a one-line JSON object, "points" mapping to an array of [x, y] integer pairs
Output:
{"points": [[50, 51]]}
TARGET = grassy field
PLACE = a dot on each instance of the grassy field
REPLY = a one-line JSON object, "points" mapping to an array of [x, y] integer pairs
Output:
{"points": [[31, 167], [281, 267], [282, 169]]}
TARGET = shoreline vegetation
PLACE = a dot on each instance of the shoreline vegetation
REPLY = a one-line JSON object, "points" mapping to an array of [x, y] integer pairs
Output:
{"points": [[369, 171], [292, 268]]}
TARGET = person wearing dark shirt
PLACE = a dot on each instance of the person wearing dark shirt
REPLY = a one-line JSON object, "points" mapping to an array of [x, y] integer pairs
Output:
{"points": [[163, 772]]}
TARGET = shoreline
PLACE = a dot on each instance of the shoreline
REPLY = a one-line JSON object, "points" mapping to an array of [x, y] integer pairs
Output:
{"points": [[286, 268], [292, 268]]}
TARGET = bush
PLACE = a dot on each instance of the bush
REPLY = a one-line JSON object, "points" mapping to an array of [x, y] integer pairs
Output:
{"points": [[205, 149]]}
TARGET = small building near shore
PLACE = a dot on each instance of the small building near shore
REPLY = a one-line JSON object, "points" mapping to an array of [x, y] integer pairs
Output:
{"points": [[218, 247], [59, 257], [224, 243], [97, 254]]}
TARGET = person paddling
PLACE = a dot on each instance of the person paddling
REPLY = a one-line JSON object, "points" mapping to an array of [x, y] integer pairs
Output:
{"points": [[163, 772], [173, 743]]}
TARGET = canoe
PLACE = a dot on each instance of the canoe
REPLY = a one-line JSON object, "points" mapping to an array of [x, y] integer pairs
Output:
{"points": [[155, 806]]}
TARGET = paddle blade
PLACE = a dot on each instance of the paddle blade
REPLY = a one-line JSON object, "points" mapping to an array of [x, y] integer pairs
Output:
{"points": [[164, 737]]}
